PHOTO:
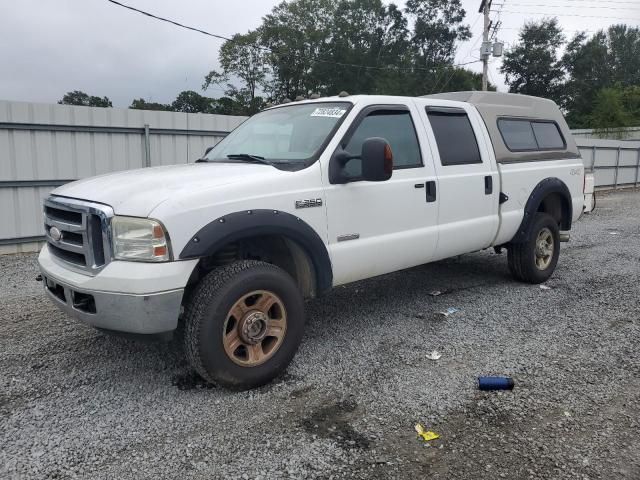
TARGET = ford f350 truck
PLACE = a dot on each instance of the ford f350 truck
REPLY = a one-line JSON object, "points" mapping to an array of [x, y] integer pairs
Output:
{"points": [[303, 197]]}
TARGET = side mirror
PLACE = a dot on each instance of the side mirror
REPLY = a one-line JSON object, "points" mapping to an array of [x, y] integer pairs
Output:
{"points": [[376, 159], [206, 152]]}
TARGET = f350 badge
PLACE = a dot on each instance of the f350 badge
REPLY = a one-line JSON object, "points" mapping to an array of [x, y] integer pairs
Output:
{"points": [[312, 202]]}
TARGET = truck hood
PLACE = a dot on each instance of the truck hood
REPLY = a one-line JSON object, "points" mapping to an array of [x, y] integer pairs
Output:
{"points": [[138, 192]]}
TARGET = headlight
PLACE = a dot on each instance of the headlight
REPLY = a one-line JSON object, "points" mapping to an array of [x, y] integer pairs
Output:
{"points": [[139, 239]]}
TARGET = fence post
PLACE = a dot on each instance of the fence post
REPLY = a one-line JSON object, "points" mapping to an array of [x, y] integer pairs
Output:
{"points": [[147, 146], [593, 159], [615, 177], [637, 167]]}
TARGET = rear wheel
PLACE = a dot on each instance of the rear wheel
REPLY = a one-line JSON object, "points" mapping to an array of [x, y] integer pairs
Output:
{"points": [[535, 259], [243, 324]]}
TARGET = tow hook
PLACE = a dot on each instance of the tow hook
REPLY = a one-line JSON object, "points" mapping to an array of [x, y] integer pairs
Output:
{"points": [[38, 278], [564, 237]]}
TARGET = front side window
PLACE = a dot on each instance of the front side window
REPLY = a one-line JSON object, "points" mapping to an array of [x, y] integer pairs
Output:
{"points": [[285, 136], [455, 138], [396, 127]]}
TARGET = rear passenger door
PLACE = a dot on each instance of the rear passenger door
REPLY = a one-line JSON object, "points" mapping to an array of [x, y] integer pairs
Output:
{"points": [[468, 182]]}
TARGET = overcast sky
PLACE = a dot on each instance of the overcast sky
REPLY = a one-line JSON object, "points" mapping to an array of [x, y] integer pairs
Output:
{"points": [[50, 47]]}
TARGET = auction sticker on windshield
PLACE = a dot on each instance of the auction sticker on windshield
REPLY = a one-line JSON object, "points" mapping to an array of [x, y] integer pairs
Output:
{"points": [[331, 112]]}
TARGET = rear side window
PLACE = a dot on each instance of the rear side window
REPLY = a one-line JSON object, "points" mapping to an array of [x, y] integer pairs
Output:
{"points": [[548, 135], [455, 137], [517, 134], [530, 135]]}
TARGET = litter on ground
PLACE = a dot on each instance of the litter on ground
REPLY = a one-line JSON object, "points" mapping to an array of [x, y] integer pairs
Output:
{"points": [[545, 287], [435, 293], [495, 383], [449, 311], [427, 436], [435, 355]]}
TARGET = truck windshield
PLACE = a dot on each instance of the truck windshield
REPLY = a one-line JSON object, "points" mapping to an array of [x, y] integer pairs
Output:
{"points": [[284, 136]]}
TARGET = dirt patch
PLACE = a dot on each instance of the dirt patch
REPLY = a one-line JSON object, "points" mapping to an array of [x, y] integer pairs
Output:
{"points": [[333, 422], [190, 381]]}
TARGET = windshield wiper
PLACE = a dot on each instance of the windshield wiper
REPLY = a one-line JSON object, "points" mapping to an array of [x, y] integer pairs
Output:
{"points": [[249, 158]]}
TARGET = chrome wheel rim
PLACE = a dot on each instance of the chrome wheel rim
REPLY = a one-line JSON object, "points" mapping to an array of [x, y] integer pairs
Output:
{"points": [[544, 249], [255, 328]]}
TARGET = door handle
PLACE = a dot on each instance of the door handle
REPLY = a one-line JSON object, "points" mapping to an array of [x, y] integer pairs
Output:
{"points": [[431, 191], [488, 185]]}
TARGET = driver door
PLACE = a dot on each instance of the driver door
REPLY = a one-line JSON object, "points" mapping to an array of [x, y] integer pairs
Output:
{"points": [[380, 227]]}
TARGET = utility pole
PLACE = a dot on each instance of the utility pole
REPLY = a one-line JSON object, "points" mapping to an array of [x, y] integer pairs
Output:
{"points": [[485, 51]]}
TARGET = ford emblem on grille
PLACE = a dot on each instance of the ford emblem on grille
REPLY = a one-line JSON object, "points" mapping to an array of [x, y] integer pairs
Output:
{"points": [[55, 234]]}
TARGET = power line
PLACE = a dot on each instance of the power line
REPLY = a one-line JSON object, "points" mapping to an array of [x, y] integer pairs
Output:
{"points": [[318, 60], [151, 15], [594, 1], [582, 7], [569, 31], [549, 14]]}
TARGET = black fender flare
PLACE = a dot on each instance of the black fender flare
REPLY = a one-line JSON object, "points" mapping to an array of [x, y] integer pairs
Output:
{"points": [[539, 193], [253, 223]]}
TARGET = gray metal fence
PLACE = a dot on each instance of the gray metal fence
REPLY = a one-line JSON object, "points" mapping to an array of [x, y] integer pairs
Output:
{"points": [[43, 146], [615, 163]]}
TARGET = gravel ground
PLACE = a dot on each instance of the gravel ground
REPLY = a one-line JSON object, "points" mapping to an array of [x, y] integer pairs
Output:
{"points": [[75, 403]]}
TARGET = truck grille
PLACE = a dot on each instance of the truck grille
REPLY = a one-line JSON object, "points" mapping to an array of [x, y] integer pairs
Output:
{"points": [[78, 233]]}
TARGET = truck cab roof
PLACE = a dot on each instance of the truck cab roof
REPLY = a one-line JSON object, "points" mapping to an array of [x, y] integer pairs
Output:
{"points": [[493, 107]]}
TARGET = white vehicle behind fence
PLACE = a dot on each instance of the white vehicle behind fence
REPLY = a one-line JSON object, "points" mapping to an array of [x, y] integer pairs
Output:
{"points": [[303, 197]]}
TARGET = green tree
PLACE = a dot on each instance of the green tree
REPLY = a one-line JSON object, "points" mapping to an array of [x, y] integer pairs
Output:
{"points": [[142, 104], [364, 32], [438, 26], [456, 79], [243, 59], [360, 46], [623, 44], [631, 102], [226, 106], [586, 64], [607, 59], [78, 97], [297, 34], [304, 47], [609, 114], [532, 66], [192, 102]]}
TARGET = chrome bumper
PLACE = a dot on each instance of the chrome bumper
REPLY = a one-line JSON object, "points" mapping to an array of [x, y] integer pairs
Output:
{"points": [[138, 314]]}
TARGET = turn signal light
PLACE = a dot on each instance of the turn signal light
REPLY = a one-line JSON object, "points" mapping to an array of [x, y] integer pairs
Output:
{"points": [[388, 160]]}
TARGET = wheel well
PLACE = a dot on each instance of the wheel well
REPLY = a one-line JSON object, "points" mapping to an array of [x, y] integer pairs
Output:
{"points": [[550, 196], [274, 249], [558, 207]]}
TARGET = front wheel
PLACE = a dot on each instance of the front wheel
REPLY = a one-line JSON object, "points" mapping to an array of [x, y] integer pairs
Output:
{"points": [[535, 259], [243, 324]]}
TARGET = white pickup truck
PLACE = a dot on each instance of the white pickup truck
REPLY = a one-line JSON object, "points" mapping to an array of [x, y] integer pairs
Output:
{"points": [[303, 197]]}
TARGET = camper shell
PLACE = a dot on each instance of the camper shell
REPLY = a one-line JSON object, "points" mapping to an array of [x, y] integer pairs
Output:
{"points": [[495, 106]]}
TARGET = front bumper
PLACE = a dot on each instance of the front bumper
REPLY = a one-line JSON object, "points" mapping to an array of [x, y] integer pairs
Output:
{"points": [[140, 314], [116, 299]]}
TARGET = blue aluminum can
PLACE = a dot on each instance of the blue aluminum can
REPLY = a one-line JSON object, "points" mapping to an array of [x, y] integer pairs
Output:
{"points": [[495, 383]]}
